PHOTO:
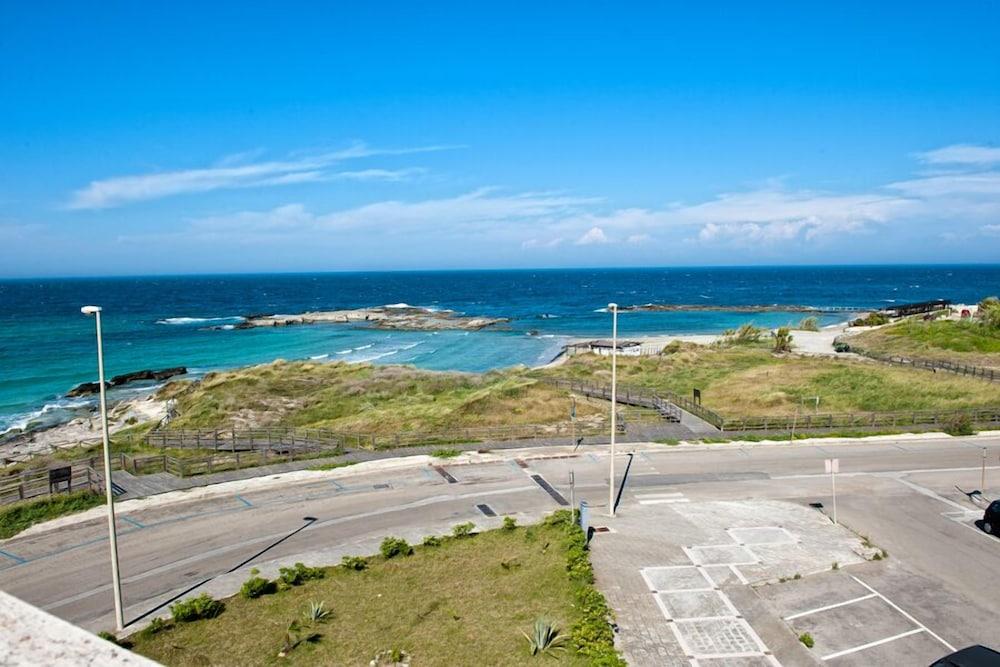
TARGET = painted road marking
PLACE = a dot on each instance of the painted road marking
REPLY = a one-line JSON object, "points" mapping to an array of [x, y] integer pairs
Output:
{"points": [[128, 519], [830, 606], [664, 501], [908, 616], [247, 502], [540, 481], [16, 559], [444, 473], [877, 642]]}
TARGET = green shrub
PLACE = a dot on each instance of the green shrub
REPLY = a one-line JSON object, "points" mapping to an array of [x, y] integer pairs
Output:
{"points": [[807, 640], [356, 563], [783, 340], [808, 324], [509, 523], [960, 424], [463, 529], [256, 586], [673, 347], [155, 626], [446, 453], [559, 518], [432, 541], [747, 334], [871, 320], [841, 347], [299, 574], [395, 546], [193, 609], [111, 637]]}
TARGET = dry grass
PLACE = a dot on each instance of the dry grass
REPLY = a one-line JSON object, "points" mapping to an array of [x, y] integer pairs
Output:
{"points": [[750, 380], [368, 398], [463, 603]]}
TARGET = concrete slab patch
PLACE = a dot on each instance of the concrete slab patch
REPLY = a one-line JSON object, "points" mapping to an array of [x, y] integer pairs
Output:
{"points": [[722, 575], [746, 661], [722, 554], [676, 578], [716, 638], [762, 535], [695, 604], [849, 626]]}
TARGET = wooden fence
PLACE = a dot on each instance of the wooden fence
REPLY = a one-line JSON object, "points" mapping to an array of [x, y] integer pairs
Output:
{"points": [[978, 372], [667, 403], [83, 474], [862, 420]]}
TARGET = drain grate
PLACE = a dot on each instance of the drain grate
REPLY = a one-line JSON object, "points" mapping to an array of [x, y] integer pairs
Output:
{"points": [[444, 473], [556, 496], [382, 486], [486, 509]]}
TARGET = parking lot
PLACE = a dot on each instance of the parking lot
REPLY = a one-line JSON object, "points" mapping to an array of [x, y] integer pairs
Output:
{"points": [[735, 572]]}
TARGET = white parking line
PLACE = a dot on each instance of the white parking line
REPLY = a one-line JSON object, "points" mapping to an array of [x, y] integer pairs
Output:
{"points": [[830, 606], [663, 501], [877, 642], [908, 616]]}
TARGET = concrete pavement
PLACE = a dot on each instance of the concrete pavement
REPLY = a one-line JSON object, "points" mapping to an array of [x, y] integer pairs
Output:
{"points": [[897, 491]]}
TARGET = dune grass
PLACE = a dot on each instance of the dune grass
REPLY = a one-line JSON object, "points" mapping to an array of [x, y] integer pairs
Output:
{"points": [[463, 602], [967, 342], [367, 398], [749, 380], [20, 516]]}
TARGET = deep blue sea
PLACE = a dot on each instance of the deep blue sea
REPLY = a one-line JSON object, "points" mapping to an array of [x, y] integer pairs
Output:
{"points": [[47, 346]]}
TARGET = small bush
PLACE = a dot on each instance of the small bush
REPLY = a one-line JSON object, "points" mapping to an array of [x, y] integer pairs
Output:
{"points": [[807, 640], [156, 626], [835, 566], [395, 546], [841, 347], [545, 638], [871, 320], [673, 347], [559, 518], [110, 637], [356, 563], [193, 609], [509, 523], [783, 340], [463, 529], [299, 574], [959, 425], [446, 453], [432, 541], [256, 586], [317, 612], [808, 324]]}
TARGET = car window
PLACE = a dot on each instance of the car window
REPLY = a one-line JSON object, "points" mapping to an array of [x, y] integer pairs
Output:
{"points": [[995, 506]]}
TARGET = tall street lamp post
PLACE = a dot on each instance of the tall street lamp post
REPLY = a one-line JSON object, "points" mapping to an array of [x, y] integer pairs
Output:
{"points": [[613, 307], [112, 532]]}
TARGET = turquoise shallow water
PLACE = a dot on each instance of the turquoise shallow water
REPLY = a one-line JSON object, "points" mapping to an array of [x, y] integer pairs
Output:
{"points": [[47, 346]]}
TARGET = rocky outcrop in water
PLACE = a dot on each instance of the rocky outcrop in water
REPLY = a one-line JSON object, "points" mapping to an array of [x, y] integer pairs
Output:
{"points": [[88, 388], [407, 318]]}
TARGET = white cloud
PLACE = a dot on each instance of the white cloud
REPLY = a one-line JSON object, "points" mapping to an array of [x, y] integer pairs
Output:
{"points": [[990, 230], [942, 185], [958, 154], [639, 239], [232, 173], [592, 236]]}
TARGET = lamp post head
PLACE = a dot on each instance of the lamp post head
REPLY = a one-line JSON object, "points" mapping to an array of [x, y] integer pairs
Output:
{"points": [[90, 310], [613, 307]]}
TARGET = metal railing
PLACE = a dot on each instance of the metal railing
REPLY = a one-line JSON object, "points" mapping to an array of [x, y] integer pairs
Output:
{"points": [[862, 420]]}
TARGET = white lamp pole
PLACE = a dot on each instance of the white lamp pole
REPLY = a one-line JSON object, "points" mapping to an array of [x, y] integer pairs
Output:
{"points": [[613, 307], [112, 532]]}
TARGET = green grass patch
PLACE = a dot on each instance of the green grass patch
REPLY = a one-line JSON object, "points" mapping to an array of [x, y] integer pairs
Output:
{"points": [[333, 466], [380, 400], [19, 516], [748, 380], [446, 453], [964, 342], [450, 604]]}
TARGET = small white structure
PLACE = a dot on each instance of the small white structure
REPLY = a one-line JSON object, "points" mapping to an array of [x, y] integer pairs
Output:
{"points": [[30, 637], [603, 347]]}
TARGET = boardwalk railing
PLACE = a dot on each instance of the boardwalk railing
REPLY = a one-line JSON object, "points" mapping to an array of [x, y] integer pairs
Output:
{"points": [[862, 420], [979, 372], [84, 474], [666, 402]]}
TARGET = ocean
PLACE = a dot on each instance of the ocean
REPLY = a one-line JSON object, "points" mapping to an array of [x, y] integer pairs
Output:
{"points": [[47, 346]]}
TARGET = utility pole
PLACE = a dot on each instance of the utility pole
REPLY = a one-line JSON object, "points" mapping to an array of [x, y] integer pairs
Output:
{"points": [[613, 307]]}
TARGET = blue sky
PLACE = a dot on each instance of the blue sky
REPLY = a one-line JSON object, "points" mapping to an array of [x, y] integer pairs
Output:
{"points": [[178, 137]]}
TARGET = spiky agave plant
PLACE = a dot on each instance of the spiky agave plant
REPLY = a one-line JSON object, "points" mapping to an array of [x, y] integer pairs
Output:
{"points": [[545, 638], [317, 613]]}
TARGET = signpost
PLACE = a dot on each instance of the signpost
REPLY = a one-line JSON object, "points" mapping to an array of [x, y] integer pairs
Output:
{"points": [[832, 468], [572, 491]]}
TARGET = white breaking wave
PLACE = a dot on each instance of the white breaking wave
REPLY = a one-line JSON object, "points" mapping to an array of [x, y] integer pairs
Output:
{"points": [[320, 356], [344, 351], [398, 305], [373, 357], [198, 320]]}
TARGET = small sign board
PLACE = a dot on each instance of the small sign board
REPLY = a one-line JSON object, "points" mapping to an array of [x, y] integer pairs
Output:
{"points": [[57, 476], [832, 465], [696, 393]]}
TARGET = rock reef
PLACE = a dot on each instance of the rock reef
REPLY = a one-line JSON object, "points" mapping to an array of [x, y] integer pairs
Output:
{"points": [[407, 318]]}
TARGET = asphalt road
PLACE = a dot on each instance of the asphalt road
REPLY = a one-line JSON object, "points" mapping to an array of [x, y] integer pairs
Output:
{"points": [[896, 491]]}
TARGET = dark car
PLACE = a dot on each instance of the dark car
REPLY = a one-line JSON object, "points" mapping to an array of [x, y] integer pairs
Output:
{"points": [[991, 518], [972, 656]]}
